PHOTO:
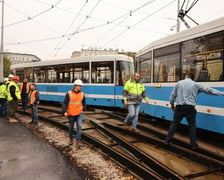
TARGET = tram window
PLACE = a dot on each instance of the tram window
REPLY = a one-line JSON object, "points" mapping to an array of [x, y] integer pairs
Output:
{"points": [[20, 73], [39, 75], [51, 75], [63, 73], [167, 64], [102, 72], [124, 72], [204, 57], [71, 75], [64, 77], [144, 67], [28, 73], [81, 71]]}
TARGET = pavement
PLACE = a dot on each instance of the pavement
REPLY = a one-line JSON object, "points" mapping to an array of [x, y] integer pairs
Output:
{"points": [[25, 157]]}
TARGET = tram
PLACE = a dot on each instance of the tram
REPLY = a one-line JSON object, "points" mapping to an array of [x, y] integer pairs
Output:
{"points": [[165, 61], [103, 77]]}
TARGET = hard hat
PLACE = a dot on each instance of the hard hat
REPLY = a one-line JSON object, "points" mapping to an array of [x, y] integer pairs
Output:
{"points": [[15, 78], [10, 75], [6, 79], [78, 82]]}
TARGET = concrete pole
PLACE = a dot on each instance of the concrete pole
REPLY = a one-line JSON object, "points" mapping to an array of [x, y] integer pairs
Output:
{"points": [[1, 57], [178, 19]]}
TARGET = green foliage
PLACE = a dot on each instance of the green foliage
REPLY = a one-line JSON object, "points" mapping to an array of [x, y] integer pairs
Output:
{"points": [[6, 65]]}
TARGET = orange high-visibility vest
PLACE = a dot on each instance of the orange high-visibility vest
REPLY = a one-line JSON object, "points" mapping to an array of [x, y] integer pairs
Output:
{"points": [[75, 106], [32, 96], [27, 87]]}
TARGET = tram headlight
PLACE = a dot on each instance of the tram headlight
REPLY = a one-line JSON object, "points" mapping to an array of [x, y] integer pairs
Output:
{"points": [[157, 85]]}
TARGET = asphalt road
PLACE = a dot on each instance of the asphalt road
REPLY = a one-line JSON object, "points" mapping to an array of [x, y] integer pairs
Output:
{"points": [[23, 157]]}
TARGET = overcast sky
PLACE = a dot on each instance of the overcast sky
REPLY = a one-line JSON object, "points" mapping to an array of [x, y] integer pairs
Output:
{"points": [[53, 29]]}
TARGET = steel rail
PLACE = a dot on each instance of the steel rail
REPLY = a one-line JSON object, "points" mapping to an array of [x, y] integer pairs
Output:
{"points": [[204, 157], [174, 140], [145, 158], [204, 160], [134, 166]]}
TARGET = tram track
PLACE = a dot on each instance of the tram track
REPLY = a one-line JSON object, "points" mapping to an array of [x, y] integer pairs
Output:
{"points": [[142, 164], [124, 160], [140, 155], [175, 142]]}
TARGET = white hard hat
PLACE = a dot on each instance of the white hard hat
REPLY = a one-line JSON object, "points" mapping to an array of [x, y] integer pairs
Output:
{"points": [[78, 82], [10, 75], [6, 79]]}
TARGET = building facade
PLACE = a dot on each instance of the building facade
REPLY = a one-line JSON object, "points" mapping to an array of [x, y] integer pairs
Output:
{"points": [[16, 58], [93, 52]]}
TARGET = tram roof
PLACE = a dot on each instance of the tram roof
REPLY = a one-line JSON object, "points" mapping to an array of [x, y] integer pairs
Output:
{"points": [[81, 59], [197, 31]]}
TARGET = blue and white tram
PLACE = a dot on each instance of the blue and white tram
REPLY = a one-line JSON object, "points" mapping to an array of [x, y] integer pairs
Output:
{"points": [[163, 62], [103, 77]]}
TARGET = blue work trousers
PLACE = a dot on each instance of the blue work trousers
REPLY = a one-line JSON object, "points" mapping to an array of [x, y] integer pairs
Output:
{"points": [[78, 120], [3, 107], [189, 113], [133, 111], [24, 101], [34, 114]]}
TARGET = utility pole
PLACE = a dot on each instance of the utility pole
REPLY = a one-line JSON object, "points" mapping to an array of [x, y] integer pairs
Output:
{"points": [[178, 19], [1, 57]]}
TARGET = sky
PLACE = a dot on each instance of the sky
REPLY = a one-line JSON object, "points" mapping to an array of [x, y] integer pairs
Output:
{"points": [[53, 29]]}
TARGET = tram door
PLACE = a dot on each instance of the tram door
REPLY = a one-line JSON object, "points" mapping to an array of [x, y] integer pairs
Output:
{"points": [[124, 71]]}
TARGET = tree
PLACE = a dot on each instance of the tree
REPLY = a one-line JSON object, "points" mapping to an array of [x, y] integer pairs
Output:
{"points": [[6, 64]]}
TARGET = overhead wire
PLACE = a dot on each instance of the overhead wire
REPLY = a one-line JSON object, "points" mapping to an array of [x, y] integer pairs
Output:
{"points": [[183, 13], [73, 21], [36, 15], [45, 26], [192, 5], [79, 30], [42, 2], [105, 22], [129, 27], [36, 41], [186, 6], [126, 15], [87, 17], [76, 31]]}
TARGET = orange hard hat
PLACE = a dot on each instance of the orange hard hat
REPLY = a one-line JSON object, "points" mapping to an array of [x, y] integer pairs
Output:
{"points": [[15, 78]]}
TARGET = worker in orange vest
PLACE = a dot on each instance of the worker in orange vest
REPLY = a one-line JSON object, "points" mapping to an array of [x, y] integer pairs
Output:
{"points": [[24, 91], [33, 101], [73, 107]]}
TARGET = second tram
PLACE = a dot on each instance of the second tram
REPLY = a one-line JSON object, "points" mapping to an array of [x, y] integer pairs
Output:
{"points": [[163, 62], [103, 77]]}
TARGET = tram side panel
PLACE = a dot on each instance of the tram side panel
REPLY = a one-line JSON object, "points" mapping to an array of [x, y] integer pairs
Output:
{"points": [[97, 95], [209, 117], [53, 92], [119, 96], [100, 95], [158, 103], [210, 112]]}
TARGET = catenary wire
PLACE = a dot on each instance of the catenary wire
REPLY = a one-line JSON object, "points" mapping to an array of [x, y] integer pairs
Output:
{"points": [[67, 35], [32, 17], [45, 26], [126, 15], [137, 23], [76, 31], [73, 21]]}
